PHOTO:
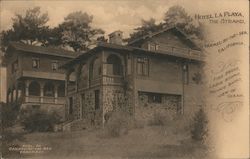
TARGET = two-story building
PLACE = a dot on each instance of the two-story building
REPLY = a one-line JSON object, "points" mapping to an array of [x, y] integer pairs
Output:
{"points": [[34, 77], [159, 72]]}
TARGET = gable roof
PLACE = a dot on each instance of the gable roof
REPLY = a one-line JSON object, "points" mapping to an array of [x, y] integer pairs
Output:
{"points": [[150, 35], [42, 50], [197, 56]]}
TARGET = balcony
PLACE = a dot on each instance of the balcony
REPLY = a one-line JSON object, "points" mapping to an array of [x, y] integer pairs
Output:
{"points": [[111, 79], [178, 51], [95, 82]]}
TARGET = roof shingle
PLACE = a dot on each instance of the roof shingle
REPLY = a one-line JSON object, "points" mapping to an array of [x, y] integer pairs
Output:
{"points": [[44, 50]]}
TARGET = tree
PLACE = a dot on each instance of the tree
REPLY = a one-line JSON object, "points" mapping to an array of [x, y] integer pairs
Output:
{"points": [[76, 31], [147, 26], [177, 16], [30, 28], [199, 129]]}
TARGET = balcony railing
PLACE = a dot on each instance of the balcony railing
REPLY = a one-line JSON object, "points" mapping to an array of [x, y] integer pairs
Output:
{"points": [[189, 53], [95, 82], [44, 99], [109, 79]]}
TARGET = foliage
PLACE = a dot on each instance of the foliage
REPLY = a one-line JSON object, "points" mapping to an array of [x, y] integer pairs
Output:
{"points": [[199, 129], [29, 28], [38, 120], [147, 26], [76, 31], [9, 113], [117, 124], [175, 16], [160, 118]]}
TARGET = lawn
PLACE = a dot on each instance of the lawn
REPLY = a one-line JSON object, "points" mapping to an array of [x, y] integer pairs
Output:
{"points": [[143, 143]]}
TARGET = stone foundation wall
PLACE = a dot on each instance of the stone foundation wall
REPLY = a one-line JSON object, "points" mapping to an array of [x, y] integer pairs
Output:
{"points": [[145, 110], [115, 98]]}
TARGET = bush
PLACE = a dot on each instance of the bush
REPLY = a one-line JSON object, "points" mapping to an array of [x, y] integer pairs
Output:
{"points": [[161, 119], [38, 120], [9, 113], [118, 124], [199, 129]]}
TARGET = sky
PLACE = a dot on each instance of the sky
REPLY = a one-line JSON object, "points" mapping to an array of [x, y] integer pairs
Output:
{"points": [[110, 15]]}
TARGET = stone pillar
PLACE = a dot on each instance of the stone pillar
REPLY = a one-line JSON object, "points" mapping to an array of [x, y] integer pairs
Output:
{"points": [[56, 93], [41, 91], [16, 92], [27, 91]]}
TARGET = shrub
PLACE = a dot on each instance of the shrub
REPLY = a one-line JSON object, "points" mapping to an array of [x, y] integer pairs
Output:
{"points": [[9, 113], [199, 129], [117, 124], [160, 118], [38, 120]]}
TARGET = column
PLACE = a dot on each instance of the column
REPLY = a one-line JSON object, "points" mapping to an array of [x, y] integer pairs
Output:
{"points": [[41, 91], [27, 91], [16, 91], [56, 93]]}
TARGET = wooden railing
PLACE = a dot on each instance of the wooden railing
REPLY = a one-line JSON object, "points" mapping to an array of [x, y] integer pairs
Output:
{"points": [[45, 100], [109, 79], [95, 82], [180, 51]]}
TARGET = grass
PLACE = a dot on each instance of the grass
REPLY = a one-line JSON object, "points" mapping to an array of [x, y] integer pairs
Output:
{"points": [[148, 142]]}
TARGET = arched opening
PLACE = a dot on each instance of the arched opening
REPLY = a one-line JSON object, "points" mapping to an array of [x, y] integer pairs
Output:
{"points": [[49, 89], [95, 69], [83, 76], [34, 89], [21, 89], [114, 65], [61, 90]]}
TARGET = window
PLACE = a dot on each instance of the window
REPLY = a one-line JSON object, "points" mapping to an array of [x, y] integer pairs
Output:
{"points": [[14, 66], [153, 46], [49, 89], [35, 63], [61, 90], [114, 65], [154, 98], [142, 66], [54, 65]]}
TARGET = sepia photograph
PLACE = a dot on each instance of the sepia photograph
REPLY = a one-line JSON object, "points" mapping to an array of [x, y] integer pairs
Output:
{"points": [[124, 79]]}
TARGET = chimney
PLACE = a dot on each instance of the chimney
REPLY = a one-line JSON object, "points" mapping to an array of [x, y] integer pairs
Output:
{"points": [[116, 37]]}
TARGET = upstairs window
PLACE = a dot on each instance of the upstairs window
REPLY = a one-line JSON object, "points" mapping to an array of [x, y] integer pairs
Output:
{"points": [[153, 46], [54, 65], [143, 66], [35, 63]]}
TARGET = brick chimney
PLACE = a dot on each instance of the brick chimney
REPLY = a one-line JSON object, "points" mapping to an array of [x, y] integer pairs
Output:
{"points": [[116, 37]]}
